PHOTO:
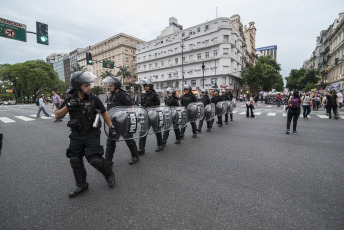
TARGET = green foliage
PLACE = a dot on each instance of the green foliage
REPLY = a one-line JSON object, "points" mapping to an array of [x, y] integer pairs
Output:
{"points": [[78, 68], [264, 75], [31, 78], [302, 79], [97, 90], [123, 71], [105, 74]]}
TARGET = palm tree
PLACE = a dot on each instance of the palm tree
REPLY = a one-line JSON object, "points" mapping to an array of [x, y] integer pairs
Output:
{"points": [[123, 71], [78, 68], [105, 74]]}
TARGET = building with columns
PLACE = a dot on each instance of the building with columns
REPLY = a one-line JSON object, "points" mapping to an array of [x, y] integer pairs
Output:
{"points": [[328, 56], [217, 45]]}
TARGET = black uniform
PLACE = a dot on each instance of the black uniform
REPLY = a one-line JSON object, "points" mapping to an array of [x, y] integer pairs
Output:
{"points": [[85, 140], [172, 101], [226, 98], [148, 100], [215, 100], [186, 99], [119, 99], [206, 100]]}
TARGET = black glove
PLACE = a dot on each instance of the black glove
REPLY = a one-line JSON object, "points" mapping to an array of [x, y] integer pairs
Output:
{"points": [[112, 131], [72, 103]]}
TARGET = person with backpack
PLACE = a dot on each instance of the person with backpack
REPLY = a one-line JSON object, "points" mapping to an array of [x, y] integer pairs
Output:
{"points": [[40, 105], [306, 105], [293, 111], [249, 105]]}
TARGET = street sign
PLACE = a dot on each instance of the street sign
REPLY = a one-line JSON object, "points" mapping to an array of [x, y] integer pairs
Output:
{"points": [[12, 30], [108, 64]]}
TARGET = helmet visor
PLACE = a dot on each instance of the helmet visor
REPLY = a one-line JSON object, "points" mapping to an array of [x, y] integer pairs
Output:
{"points": [[87, 77], [109, 81]]}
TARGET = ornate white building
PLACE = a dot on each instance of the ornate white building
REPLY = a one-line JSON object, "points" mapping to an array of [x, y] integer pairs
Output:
{"points": [[217, 44]]}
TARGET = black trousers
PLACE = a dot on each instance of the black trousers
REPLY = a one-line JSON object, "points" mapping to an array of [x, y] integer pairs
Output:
{"points": [[111, 148], [87, 145], [329, 108], [293, 114], [247, 110], [200, 124], [167, 133], [194, 128], [226, 117], [142, 141]]}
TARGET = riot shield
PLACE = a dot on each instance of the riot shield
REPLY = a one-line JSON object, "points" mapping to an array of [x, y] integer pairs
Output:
{"points": [[229, 107], [209, 112], [234, 103], [179, 116], [221, 108], [195, 111], [159, 119], [130, 122]]}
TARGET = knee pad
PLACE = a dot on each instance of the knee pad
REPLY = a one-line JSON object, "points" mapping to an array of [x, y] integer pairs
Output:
{"points": [[76, 162], [96, 162]]}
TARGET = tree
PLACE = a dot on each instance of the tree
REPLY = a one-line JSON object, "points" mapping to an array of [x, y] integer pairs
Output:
{"points": [[302, 79], [97, 90], [264, 75], [123, 72], [105, 74], [78, 68]]}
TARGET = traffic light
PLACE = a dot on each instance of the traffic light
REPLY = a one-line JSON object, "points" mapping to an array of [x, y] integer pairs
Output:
{"points": [[89, 58], [42, 33], [131, 85]]}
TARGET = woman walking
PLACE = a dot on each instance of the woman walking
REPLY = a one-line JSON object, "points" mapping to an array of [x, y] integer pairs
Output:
{"points": [[332, 103], [293, 111], [249, 105]]}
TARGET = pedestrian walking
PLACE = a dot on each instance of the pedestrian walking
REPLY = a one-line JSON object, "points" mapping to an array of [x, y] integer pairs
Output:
{"points": [[249, 105], [306, 101], [332, 104], [136, 99], [340, 99], [256, 98], [118, 98], [56, 101], [150, 98], [278, 98], [41, 107], [293, 111], [83, 108]]}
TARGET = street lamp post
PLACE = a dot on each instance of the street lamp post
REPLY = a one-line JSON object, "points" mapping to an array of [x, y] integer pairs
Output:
{"points": [[182, 45], [203, 66]]}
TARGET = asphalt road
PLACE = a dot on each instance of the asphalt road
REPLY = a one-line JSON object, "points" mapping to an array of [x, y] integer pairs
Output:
{"points": [[246, 175]]}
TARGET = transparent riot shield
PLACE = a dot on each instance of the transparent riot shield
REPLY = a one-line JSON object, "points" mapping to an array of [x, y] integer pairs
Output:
{"points": [[234, 103], [229, 107], [130, 122], [209, 112], [159, 119], [195, 111], [179, 116], [221, 108]]}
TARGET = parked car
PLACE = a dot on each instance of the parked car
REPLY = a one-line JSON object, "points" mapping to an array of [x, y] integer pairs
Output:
{"points": [[6, 102], [13, 102], [9, 102]]}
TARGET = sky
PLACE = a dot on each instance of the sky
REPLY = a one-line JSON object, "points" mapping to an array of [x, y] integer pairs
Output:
{"points": [[292, 25]]}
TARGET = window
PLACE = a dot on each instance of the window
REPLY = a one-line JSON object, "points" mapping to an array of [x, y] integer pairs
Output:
{"points": [[198, 44], [199, 57], [199, 29], [190, 57], [183, 34], [206, 42], [226, 51], [225, 38], [193, 82], [162, 63], [169, 75], [206, 27], [150, 66], [213, 80], [169, 62], [191, 46], [176, 61], [206, 54], [155, 55], [190, 72], [176, 50], [144, 67], [190, 32], [224, 80], [156, 65]]}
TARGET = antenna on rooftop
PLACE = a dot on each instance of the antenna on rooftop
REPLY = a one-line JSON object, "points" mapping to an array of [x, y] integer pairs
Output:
{"points": [[216, 12]]}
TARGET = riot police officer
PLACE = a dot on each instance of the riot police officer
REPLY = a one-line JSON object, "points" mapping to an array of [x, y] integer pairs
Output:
{"points": [[84, 109], [206, 100], [118, 97], [225, 97], [230, 98], [215, 99], [171, 100], [186, 99], [148, 99]]}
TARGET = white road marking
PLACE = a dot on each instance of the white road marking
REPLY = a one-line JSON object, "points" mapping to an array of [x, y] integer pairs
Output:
{"points": [[322, 116], [6, 120], [242, 113], [284, 114], [271, 114], [24, 118], [257, 113]]}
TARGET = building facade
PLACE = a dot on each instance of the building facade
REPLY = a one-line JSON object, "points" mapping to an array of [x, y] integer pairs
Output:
{"points": [[177, 52], [120, 49], [328, 56], [268, 51]]}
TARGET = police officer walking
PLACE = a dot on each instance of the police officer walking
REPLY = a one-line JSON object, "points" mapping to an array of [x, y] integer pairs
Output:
{"points": [[206, 100], [148, 99], [84, 109], [225, 97], [118, 97], [215, 99], [171, 100], [230, 98], [186, 99]]}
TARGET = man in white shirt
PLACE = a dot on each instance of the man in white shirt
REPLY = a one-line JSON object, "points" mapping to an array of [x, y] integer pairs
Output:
{"points": [[41, 108]]}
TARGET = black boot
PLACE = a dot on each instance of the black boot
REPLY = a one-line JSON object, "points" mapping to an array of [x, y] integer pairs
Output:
{"points": [[134, 160], [177, 134], [110, 150], [159, 148], [78, 190], [177, 142], [133, 150], [104, 167], [142, 145], [194, 135], [231, 116], [165, 136]]}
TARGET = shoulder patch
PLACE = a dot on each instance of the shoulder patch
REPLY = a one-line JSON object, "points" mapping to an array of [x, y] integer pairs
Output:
{"points": [[127, 97]]}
